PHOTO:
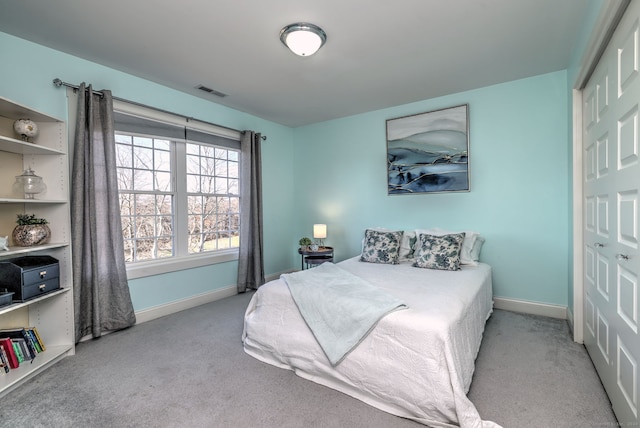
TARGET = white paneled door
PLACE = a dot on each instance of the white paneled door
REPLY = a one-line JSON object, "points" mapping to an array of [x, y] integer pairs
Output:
{"points": [[611, 197]]}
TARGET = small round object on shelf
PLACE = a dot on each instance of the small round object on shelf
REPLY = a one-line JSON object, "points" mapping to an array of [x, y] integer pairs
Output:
{"points": [[29, 184], [26, 128], [31, 234]]}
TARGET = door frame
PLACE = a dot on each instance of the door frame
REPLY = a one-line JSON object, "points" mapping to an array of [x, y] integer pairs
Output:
{"points": [[604, 27]]}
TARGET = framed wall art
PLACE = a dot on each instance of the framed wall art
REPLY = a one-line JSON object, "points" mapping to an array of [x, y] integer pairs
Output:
{"points": [[429, 152]]}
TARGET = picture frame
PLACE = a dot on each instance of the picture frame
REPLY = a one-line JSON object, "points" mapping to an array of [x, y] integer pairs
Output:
{"points": [[429, 152]]}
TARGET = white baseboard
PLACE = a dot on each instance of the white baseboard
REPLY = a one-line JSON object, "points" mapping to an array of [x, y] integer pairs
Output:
{"points": [[570, 318], [188, 303], [193, 301], [533, 308], [277, 275]]}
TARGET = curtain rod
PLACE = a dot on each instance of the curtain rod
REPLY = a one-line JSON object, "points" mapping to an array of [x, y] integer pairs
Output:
{"points": [[59, 83]]}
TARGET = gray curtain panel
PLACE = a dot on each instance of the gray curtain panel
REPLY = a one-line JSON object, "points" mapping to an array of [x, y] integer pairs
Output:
{"points": [[101, 292], [250, 261]]}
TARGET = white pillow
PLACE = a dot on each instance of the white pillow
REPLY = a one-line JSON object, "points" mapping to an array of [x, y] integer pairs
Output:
{"points": [[406, 247], [477, 246], [470, 237]]}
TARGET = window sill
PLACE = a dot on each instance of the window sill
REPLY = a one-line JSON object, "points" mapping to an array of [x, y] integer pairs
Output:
{"points": [[158, 267]]}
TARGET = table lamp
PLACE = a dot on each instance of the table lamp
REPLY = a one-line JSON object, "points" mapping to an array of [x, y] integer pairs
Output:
{"points": [[320, 233]]}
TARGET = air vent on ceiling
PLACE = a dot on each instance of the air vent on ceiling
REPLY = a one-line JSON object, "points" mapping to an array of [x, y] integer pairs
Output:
{"points": [[211, 91]]}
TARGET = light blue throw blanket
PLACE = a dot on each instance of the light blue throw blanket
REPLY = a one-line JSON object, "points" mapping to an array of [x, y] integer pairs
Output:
{"points": [[339, 307]]}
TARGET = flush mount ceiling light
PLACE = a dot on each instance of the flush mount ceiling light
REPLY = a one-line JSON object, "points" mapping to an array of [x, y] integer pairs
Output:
{"points": [[302, 38]]}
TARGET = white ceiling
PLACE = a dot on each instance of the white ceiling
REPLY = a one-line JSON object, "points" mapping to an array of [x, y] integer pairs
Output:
{"points": [[378, 54]]}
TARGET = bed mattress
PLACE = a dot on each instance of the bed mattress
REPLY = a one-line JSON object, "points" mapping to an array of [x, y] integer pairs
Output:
{"points": [[416, 363]]}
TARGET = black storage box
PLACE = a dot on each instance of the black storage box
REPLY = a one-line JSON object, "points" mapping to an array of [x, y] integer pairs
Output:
{"points": [[30, 276], [5, 297]]}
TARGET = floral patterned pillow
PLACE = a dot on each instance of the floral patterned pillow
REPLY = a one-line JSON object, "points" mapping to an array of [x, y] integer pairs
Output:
{"points": [[439, 252], [381, 247]]}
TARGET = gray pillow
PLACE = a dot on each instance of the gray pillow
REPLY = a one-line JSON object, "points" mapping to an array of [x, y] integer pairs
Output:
{"points": [[381, 247], [439, 252]]}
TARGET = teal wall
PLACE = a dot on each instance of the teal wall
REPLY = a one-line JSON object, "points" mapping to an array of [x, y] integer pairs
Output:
{"points": [[334, 172], [519, 185], [26, 77]]}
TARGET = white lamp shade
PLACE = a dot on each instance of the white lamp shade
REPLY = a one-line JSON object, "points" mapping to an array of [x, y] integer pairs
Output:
{"points": [[303, 43], [320, 231], [303, 39]]}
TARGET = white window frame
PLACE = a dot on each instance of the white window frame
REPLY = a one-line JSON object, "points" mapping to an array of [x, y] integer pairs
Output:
{"points": [[146, 268]]}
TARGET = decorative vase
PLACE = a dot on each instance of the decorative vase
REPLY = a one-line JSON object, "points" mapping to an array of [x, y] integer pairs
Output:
{"points": [[29, 184], [29, 235], [26, 128]]}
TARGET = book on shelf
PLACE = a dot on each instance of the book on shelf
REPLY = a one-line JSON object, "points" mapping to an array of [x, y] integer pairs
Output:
{"points": [[20, 343], [18, 351], [7, 347], [32, 336], [38, 338], [4, 361]]}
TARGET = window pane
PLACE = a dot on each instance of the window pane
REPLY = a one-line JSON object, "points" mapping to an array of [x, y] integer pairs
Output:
{"points": [[145, 226], [233, 186], [233, 169], [164, 205], [162, 144], [143, 141], [207, 184], [193, 183], [142, 158], [129, 255], [193, 149], [123, 155], [125, 178], [125, 139], [163, 181], [234, 223], [126, 204], [149, 249], [194, 204], [221, 186], [162, 161], [221, 153], [142, 180], [207, 151], [193, 164], [221, 169]]}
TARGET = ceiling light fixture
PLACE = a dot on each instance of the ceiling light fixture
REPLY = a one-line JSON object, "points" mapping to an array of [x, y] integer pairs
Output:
{"points": [[302, 38]]}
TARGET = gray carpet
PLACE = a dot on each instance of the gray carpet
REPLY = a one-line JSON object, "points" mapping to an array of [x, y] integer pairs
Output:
{"points": [[189, 369]]}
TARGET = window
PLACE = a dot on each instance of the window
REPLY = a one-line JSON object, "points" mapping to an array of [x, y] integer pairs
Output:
{"points": [[145, 186], [212, 198], [179, 191]]}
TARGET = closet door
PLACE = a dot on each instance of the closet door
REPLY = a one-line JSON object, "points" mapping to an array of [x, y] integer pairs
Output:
{"points": [[611, 198]]}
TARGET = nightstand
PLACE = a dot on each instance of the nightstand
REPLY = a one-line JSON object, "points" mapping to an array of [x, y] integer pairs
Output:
{"points": [[314, 258]]}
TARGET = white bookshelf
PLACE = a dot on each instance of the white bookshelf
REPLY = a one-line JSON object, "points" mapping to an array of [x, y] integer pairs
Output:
{"points": [[52, 313]]}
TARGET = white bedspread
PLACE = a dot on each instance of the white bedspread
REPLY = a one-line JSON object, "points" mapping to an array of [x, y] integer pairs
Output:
{"points": [[339, 307], [416, 363]]}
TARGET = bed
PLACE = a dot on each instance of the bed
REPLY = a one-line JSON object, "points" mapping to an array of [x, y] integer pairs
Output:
{"points": [[416, 362]]}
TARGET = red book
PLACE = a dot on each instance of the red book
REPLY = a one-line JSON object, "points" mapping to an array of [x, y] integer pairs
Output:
{"points": [[6, 343]]}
